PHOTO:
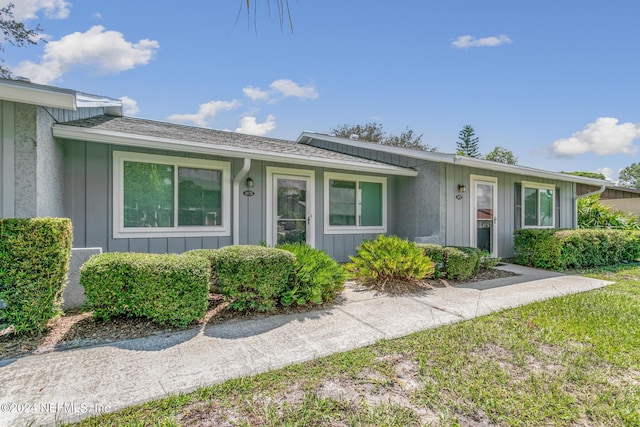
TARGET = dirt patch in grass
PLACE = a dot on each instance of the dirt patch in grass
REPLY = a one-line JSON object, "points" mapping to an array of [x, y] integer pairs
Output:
{"points": [[354, 394], [77, 329]]}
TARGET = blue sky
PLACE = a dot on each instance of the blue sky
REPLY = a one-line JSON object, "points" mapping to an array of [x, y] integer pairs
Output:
{"points": [[556, 82]]}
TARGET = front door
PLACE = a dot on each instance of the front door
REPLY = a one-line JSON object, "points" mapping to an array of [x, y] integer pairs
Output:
{"points": [[483, 214], [291, 207]]}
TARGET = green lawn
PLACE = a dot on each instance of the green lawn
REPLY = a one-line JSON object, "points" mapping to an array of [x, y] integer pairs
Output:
{"points": [[569, 361]]}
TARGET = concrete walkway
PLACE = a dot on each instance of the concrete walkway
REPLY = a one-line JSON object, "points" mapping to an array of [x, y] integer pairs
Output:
{"points": [[69, 385]]}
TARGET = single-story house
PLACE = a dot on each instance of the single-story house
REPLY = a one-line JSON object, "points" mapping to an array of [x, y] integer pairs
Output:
{"points": [[130, 184]]}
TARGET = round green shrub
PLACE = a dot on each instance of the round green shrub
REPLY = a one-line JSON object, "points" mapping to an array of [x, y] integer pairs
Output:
{"points": [[316, 277], [460, 263], [253, 277], [389, 262]]}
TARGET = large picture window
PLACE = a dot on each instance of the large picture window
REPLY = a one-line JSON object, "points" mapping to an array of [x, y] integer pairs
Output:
{"points": [[538, 201], [354, 204], [157, 196]]}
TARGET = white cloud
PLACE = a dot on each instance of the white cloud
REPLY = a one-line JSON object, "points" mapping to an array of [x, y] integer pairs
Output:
{"points": [[255, 93], [97, 15], [130, 106], [607, 172], [28, 9], [470, 41], [106, 51], [250, 125], [280, 89], [288, 88], [206, 111], [602, 137]]}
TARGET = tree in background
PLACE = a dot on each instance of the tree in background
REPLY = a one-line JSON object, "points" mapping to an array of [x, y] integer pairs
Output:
{"points": [[630, 176], [502, 155], [467, 144], [374, 132], [595, 175], [16, 34], [370, 132]]}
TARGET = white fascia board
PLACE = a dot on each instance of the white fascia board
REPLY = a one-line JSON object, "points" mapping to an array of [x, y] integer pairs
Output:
{"points": [[127, 139], [37, 96], [525, 170], [86, 100]]}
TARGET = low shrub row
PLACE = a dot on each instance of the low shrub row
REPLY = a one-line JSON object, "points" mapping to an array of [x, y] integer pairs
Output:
{"points": [[34, 259], [173, 289], [581, 248]]}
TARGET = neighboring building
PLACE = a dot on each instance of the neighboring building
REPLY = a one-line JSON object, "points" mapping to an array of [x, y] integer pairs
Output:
{"points": [[131, 184], [622, 199]]}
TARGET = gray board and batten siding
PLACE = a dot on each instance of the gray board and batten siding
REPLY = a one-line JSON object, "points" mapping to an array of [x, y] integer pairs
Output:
{"points": [[508, 217], [428, 210], [89, 204], [416, 200]]}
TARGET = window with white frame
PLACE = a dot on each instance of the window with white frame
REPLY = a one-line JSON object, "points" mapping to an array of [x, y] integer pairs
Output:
{"points": [[355, 204], [165, 196], [538, 201]]}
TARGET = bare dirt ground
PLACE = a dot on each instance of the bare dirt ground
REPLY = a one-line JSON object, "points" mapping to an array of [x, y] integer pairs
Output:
{"points": [[79, 329]]}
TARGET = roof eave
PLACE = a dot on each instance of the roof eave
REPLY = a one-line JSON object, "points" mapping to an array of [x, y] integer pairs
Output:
{"points": [[127, 139], [60, 98], [307, 137], [49, 96], [525, 170]]}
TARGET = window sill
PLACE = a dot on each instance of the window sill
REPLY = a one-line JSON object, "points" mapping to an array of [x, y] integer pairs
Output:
{"points": [[151, 233], [354, 230]]}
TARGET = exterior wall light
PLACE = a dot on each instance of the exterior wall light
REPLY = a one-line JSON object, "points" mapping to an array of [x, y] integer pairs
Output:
{"points": [[461, 188], [249, 191]]}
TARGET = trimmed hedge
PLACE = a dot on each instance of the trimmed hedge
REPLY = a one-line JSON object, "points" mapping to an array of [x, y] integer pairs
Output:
{"points": [[581, 248], [461, 262], [168, 289], [316, 277], [34, 260], [211, 255], [253, 277], [454, 262]]}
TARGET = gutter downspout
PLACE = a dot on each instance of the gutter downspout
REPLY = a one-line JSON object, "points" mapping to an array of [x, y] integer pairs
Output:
{"points": [[236, 200], [582, 196]]}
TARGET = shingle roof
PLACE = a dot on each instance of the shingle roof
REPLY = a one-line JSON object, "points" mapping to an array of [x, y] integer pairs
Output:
{"points": [[149, 129], [310, 138]]}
